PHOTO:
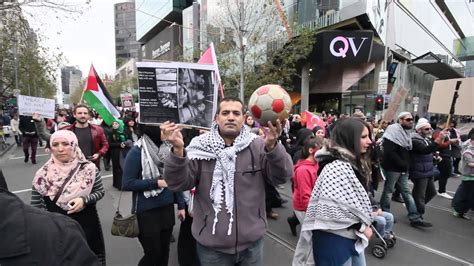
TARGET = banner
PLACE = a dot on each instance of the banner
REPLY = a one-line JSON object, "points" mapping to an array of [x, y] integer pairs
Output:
{"points": [[27, 105], [184, 93], [127, 100]]}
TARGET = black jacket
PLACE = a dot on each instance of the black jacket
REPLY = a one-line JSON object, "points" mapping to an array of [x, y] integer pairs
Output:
{"points": [[27, 126], [31, 236], [395, 157]]}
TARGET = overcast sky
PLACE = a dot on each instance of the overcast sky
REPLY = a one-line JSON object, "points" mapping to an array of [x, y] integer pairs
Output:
{"points": [[84, 39]]}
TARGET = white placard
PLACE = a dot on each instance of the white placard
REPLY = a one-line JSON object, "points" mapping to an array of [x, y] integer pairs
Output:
{"points": [[27, 105]]}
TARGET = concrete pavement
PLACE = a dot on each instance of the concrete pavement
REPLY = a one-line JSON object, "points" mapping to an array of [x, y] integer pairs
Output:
{"points": [[449, 242]]}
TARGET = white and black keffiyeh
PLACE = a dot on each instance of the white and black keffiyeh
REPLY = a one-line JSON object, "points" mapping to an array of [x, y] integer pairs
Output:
{"points": [[338, 200], [211, 146], [152, 159]]}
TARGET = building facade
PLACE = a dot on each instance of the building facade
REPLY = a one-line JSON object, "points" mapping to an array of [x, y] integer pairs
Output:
{"points": [[126, 45], [159, 28], [71, 77]]}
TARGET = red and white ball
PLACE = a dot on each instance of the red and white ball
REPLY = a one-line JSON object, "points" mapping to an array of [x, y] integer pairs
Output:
{"points": [[269, 103]]}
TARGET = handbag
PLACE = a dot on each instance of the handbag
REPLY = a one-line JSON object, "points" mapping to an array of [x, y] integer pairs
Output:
{"points": [[125, 226]]}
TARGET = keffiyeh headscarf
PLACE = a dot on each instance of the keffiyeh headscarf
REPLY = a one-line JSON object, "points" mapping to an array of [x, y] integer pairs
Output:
{"points": [[211, 146], [51, 176], [398, 135], [152, 159]]}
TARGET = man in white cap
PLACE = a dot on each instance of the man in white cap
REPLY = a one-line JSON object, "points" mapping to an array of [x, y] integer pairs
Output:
{"points": [[395, 162], [421, 164]]}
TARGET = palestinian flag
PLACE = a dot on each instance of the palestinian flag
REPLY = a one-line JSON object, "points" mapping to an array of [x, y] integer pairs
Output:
{"points": [[97, 97]]}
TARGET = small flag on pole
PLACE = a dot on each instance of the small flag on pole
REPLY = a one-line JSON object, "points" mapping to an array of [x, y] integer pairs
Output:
{"points": [[209, 57]]}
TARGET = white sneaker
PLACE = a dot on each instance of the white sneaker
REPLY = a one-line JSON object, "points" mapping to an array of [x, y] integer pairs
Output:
{"points": [[445, 195]]}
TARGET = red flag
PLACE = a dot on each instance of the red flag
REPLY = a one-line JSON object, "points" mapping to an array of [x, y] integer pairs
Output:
{"points": [[209, 57], [313, 120]]}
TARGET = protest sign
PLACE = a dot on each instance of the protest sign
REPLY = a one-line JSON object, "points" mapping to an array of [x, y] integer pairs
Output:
{"points": [[443, 93], [184, 93], [395, 102], [127, 100], [27, 105]]}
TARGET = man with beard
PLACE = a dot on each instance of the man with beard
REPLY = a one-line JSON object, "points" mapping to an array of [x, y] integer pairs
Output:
{"points": [[421, 164], [228, 166], [91, 138], [395, 162]]}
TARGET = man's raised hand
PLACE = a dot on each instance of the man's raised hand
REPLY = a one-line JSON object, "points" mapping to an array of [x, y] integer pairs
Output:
{"points": [[172, 133], [272, 133]]}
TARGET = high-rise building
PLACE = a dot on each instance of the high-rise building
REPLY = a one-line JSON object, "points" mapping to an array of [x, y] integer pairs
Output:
{"points": [[159, 28], [126, 45], [71, 77]]}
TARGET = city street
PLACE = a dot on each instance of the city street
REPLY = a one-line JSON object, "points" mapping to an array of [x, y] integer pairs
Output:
{"points": [[449, 242]]}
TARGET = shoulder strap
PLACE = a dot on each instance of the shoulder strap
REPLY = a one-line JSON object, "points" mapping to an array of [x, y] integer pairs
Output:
{"points": [[71, 174]]}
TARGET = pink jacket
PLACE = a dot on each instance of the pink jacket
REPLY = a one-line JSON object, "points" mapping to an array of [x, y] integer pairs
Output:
{"points": [[305, 175]]}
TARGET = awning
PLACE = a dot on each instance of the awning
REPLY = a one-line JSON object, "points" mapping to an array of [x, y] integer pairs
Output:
{"points": [[432, 64]]}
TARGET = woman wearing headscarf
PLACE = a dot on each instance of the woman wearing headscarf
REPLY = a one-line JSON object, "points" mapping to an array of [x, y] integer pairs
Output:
{"points": [[153, 202], [337, 222], [71, 185]]}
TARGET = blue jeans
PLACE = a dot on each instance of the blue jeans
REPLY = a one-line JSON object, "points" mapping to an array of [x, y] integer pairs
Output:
{"points": [[251, 256], [402, 180], [356, 260], [384, 223]]}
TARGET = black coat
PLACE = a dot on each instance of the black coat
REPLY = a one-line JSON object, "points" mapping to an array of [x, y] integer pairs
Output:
{"points": [[31, 236], [421, 158], [395, 157]]}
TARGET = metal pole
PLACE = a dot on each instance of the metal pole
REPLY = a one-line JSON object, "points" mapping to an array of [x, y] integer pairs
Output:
{"points": [[242, 51], [16, 62]]}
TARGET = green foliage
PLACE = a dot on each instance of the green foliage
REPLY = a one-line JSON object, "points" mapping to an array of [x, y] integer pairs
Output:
{"points": [[36, 66]]}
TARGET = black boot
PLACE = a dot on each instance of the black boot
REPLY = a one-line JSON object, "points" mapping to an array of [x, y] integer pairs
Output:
{"points": [[293, 222]]}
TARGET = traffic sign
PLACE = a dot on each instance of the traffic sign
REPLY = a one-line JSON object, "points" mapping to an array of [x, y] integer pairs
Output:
{"points": [[383, 82]]}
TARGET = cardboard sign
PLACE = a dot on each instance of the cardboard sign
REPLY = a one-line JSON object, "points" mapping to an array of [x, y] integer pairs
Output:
{"points": [[395, 102], [183, 93], [443, 93], [27, 105]]}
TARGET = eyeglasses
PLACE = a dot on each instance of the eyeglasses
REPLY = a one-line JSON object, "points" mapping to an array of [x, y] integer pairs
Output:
{"points": [[408, 119], [427, 129], [62, 115]]}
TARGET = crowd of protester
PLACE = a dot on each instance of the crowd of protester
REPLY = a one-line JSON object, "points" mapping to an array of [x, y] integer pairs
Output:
{"points": [[225, 181]]}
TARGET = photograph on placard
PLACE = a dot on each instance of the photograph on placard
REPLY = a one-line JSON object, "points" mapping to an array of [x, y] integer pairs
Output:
{"points": [[166, 73]]}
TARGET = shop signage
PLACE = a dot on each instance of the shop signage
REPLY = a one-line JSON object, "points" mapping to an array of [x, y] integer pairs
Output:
{"points": [[350, 47], [164, 48]]}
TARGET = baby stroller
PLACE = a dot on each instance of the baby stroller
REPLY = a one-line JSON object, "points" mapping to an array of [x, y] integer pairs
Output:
{"points": [[379, 250]]}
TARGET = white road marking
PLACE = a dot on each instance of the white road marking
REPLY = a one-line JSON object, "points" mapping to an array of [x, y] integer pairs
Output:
{"points": [[435, 251], [29, 189]]}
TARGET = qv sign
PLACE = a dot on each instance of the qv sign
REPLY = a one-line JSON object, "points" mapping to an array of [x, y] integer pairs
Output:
{"points": [[345, 46]]}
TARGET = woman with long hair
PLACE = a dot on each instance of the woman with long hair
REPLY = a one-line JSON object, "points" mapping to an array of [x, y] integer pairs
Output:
{"points": [[71, 185], [339, 213]]}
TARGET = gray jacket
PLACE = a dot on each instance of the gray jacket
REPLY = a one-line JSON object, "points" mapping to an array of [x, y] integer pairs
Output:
{"points": [[252, 166]]}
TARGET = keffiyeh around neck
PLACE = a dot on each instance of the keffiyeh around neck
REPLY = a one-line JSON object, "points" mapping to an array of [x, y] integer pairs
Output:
{"points": [[211, 146], [398, 135], [151, 161], [338, 200]]}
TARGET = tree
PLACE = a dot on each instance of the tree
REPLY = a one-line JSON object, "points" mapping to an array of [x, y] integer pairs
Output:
{"points": [[23, 62], [242, 25]]}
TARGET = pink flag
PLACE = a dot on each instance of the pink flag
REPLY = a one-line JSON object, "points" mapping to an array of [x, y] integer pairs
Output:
{"points": [[313, 120], [209, 57]]}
